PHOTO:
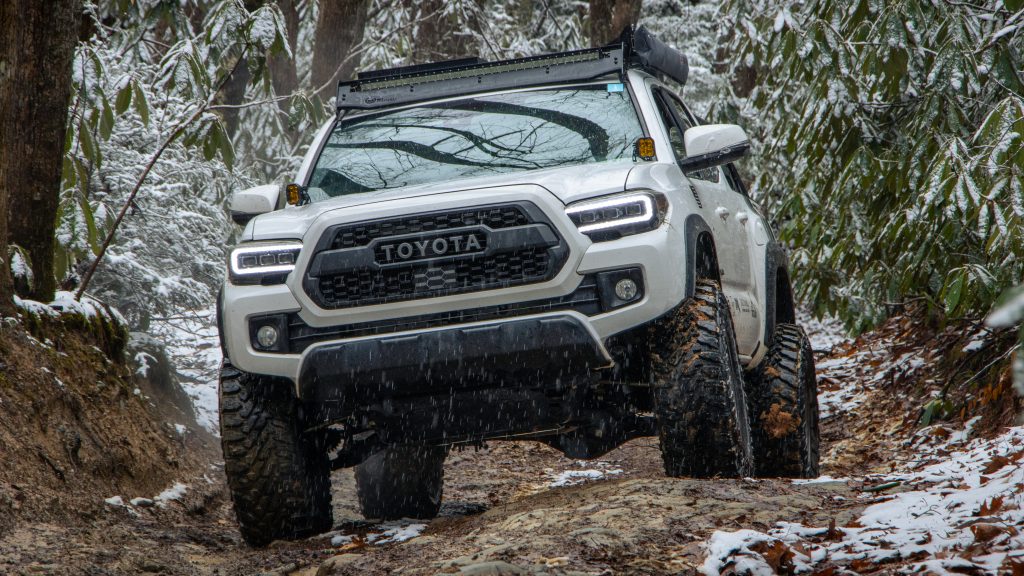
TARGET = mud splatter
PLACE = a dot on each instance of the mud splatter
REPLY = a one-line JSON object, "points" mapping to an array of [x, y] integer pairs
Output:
{"points": [[779, 423]]}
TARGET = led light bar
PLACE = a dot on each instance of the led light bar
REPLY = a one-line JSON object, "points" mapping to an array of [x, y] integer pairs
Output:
{"points": [[463, 77], [394, 86]]}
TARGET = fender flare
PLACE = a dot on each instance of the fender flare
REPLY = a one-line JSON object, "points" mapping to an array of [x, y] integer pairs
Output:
{"points": [[693, 228], [220, 323], [779, 306]]}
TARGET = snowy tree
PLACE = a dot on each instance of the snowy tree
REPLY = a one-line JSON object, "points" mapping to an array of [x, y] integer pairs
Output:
{"points": [[892, 149], [148, 160]]}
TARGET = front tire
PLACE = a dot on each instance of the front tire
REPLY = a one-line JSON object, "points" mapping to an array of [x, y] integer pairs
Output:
{"points": [[784, 408], [279, 476], [699, 397], [401, 482]]}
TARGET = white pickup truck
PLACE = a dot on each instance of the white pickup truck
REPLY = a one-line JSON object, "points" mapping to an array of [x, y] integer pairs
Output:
{"points": [[550, 249]]}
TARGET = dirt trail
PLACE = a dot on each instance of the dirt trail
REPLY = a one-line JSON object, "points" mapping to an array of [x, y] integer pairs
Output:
{"points": [[500, 516], [514, 508]]}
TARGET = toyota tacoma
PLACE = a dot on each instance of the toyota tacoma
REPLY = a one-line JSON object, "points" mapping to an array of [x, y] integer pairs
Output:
{"points": [[552, 248]]}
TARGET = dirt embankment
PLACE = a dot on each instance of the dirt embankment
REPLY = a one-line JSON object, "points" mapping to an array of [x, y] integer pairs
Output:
{"points": [[515, 508], [77, 425]]}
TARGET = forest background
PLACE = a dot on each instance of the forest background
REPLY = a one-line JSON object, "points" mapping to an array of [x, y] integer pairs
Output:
{"points": [[889, 136]]}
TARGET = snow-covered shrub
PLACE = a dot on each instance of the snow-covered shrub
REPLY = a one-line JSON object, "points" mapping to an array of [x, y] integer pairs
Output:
{"points": [[892, 150], [493, 29], [142, 112], [692, 28]]}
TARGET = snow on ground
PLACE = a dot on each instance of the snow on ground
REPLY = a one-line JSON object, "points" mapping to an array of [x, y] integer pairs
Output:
{"points": [[824, 333], [844, 380], [194, 348], [963, 513], [839, 389], [65, 303], [956, 508], [835, 375], [597, 470], [175, 492], [380, 534], [399, 533]]}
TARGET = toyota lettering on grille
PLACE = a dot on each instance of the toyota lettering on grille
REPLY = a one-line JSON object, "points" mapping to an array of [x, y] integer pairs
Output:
{"points": [[432, 247]]}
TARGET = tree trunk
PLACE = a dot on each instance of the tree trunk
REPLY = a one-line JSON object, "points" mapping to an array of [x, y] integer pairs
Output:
{"points": [[440, 36], [233, 93], [33, 126], [8, 91], [609, 17], [339, 30], [283, 74]]}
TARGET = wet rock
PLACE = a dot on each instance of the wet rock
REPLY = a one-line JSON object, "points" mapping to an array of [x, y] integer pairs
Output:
{"points": [[493, 568], [612, 541], [481, 556], [151, 566], [334, 564], [285, 570]]}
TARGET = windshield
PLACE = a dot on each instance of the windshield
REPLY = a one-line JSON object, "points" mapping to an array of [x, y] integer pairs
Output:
{"points": [[491, 134]]}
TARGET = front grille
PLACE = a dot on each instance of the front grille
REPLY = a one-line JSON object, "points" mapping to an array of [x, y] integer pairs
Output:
{"points": [[358, 275], [494, 217], [585, 300]]}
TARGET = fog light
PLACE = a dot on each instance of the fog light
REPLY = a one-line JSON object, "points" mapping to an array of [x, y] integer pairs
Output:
{"points": [[267, 336], [625, 289]]}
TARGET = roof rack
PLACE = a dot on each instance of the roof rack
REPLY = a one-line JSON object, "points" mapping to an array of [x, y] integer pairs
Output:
{"points": [[394, 86]]}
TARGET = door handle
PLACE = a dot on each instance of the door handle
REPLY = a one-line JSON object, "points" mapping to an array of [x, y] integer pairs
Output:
{"points": [[742, 217], [722, 212]]}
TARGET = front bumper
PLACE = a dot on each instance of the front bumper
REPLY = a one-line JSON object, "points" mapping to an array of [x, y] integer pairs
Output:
{"points": [[659, 255], [360, 371]]}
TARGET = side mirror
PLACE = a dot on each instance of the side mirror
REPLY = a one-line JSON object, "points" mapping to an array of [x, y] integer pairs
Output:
{"points": [[246, 204], [713, 145]]}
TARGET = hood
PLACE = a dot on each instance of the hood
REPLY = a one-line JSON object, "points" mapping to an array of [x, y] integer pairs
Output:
{"points": [[568, 184]]}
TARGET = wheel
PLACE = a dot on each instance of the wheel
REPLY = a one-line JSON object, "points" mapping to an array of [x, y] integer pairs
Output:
{"points": [[784, 408], [279, 476], [401, 482], [699, 398]]}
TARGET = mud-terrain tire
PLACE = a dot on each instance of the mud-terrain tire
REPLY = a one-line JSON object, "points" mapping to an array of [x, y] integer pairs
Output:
{"points": [[401, 482], [699, 397], [784, 408], [279, 476]]}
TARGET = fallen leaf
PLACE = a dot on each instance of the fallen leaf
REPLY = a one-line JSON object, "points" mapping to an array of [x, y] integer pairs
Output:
{"points": [[996, 464], [985, 532], [777, 555], [356, 543], [990, 507], [864, 566], [1012, 567]]}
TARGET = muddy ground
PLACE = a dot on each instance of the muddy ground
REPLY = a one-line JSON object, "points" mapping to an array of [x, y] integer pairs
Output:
{"points": [[499, 516], [503, 512]]}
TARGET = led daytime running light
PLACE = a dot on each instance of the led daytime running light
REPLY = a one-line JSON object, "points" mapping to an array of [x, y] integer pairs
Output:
{"points": [[643, 199], [262, 252]]}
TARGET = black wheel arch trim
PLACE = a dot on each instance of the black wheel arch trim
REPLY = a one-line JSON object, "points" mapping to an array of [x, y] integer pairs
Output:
{"points": [[780, 307], [220, 322], [693, 228]]}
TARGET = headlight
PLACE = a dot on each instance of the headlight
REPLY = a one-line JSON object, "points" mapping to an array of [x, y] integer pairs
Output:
{"points": [[263, 263], [611, 217]]}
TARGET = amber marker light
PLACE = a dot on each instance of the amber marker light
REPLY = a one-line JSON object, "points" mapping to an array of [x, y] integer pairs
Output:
{"points": [[645, 148], [294, 194]]}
